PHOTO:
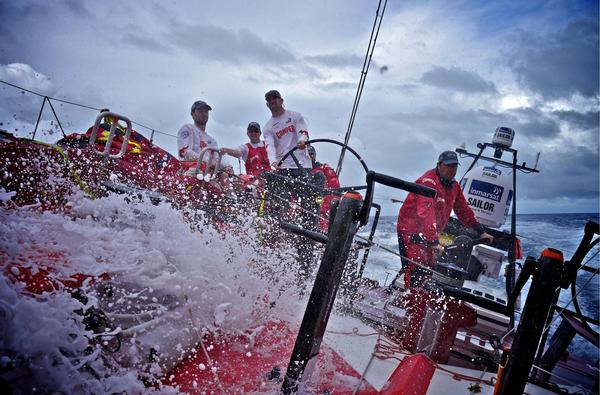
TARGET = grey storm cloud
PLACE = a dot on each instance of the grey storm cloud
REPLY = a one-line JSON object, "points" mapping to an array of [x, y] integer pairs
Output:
{"points": [[457, 79], [588, 159], [336, 60], [19, 10], [581, 120], [341, 85], [17, 104], [211, 42], [562, 65], [438, 121], [538, 128], [533, 123], [574, 177], [30, 15], [78, 8], [144, 42], [572, 186]]}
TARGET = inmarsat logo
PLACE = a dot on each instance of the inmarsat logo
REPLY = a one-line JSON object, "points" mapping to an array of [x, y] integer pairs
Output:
{"points": [[486, 190]]}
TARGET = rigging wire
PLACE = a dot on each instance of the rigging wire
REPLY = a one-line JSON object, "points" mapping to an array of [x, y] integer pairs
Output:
{"points": [[363, 77], [588, 280], [78, 105]]}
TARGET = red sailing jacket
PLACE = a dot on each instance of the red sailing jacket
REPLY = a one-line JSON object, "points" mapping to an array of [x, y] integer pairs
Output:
{"points": [[257, 160], [331, 182], [428, 216]]}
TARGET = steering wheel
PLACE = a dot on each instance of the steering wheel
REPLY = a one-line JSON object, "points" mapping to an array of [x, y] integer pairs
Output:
{"points": [[330, 141]]}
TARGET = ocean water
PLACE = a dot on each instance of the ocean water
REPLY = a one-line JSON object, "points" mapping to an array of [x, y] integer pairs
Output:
{"points": [[536, 232]]}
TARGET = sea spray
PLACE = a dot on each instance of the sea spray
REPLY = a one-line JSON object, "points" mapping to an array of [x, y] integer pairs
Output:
{"points": [[162, 278]]}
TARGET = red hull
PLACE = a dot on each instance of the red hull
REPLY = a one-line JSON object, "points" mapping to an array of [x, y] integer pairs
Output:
{"points": [[241, 367]]}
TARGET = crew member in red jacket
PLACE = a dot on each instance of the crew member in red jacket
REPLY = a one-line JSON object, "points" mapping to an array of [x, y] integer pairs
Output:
{"points": [[422, 219], [253, 153], [331, 182]]}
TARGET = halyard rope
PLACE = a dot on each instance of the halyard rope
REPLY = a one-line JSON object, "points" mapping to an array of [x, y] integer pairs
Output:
{"points": [[363, 77]]}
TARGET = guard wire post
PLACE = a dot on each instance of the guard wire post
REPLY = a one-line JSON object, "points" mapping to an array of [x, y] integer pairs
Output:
{"points": [[47, 99], [548, 273]]}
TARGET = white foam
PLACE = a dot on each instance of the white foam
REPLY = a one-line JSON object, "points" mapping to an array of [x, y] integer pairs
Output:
{"points": [[167, 264]]}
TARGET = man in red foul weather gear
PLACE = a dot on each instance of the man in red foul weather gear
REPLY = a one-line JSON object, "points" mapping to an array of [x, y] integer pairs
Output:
{"points": [[254, 153], [422, 219], [331, 182]]}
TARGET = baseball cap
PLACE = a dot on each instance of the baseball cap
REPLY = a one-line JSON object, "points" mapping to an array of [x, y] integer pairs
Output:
{"points": [[200, 104], [253, 125], [448, 158], [272, 93], [311, 150]]}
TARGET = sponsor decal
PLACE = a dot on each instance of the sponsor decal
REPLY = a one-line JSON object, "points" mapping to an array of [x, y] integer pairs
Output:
{"points": [[185, 134], [486, 190], [502, 135], [289, 120], [491, 172], [480, 204], [428, 180], [284, 131]]}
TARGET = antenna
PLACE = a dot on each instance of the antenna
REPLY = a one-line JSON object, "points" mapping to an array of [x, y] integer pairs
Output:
{"points": [[537, 159]]}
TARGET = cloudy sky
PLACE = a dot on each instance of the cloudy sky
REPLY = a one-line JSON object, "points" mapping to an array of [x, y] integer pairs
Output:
{"points": [[443, 74]]}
